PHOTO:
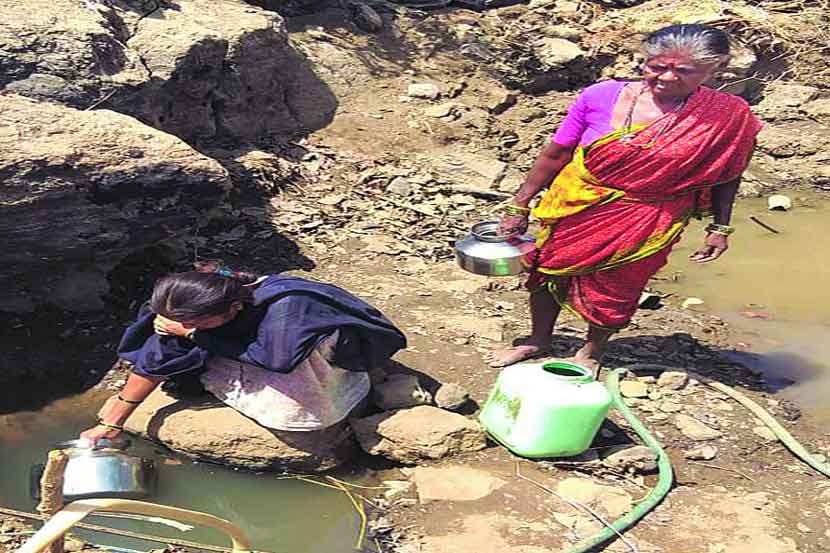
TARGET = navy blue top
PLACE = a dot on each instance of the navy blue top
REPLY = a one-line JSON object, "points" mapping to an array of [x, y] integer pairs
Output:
{"points": [[289, 317]]}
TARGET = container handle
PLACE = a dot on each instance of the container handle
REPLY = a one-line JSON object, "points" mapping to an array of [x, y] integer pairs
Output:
{"points": [[63, 520]]}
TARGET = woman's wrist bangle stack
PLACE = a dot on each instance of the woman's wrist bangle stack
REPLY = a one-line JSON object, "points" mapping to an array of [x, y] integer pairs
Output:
{"points": [[130, 401], [110, 426], [724, 230], [513, 209]]}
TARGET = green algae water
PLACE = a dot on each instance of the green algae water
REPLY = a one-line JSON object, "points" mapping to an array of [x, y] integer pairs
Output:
{"points": [[278, 515], [774, 290]]}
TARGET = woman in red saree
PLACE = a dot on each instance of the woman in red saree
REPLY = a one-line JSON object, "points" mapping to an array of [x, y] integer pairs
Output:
{"points": [[631, 164]]}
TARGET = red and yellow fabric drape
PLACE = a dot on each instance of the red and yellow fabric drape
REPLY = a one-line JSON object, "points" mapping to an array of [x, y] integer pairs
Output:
{"points": [[612, 215]]}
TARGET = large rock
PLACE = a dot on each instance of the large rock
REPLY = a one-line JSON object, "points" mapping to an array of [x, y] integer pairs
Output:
{"points": [[423, 432], [199, 69], [83, 189], [72, 52], [205, 429]]}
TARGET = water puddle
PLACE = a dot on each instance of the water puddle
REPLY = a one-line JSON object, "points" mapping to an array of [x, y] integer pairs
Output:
{"points": [[774, 289], [278, 515]]}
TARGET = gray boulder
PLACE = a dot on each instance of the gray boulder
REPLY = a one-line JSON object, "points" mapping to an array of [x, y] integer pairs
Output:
{"points": [[83, 189], [199, 70]]}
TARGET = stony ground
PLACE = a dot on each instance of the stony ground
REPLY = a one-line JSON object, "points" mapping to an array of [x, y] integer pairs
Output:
{"points": [[373, 201]]}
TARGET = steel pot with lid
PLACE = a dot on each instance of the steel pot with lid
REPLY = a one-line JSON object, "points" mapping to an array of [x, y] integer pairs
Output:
{"points": [[486, 252], [101, 470]]}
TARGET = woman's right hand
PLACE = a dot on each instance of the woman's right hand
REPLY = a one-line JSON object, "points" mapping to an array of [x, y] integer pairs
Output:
{"points": [[513, 224], [99, 432]]}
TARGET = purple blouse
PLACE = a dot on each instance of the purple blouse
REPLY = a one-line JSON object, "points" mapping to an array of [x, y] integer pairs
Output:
{"points": [[589, 117]]}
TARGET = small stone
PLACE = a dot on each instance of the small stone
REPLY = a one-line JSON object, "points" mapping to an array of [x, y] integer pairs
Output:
{"points": [[803, 528], [441, 110], [557, 52], [606, 433], [633, 389], [562, 31], [691, 302], [638, 458], [400, 186], [655, 395], [399, 391], [647, 379], [427, 91], [765, 433], [694, 429], [451, 396], [670, 407], [702, 453], [504, 102], [673, 380]]}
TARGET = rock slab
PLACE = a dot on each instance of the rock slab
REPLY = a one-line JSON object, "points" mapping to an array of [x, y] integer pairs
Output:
{"points": [[638, 458], [423, 432], [454, 483], [204, 429]]}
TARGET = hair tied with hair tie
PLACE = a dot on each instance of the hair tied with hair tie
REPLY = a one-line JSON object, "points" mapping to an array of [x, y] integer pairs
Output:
{"points": [[224, 272]]}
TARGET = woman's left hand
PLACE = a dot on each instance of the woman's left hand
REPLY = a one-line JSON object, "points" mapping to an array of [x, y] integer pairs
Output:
{"points": [[713, 248], [168, 327]]}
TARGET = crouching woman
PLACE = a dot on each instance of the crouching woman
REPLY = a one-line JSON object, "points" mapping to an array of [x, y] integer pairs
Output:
{"points": [[290, 353]]}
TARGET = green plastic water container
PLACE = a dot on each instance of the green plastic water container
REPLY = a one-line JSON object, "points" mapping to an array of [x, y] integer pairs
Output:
{"points": [[545, 409]]}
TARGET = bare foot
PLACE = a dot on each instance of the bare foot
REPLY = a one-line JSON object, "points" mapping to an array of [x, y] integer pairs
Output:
{"points": [[509, 356], [593, 365]]}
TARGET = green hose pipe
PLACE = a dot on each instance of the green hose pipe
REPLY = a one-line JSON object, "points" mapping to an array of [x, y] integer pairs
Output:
{"points": [[779, 431], [656, 495]]}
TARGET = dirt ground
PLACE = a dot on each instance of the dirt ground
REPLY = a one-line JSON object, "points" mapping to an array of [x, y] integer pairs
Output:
{"points": [[339, 222]]}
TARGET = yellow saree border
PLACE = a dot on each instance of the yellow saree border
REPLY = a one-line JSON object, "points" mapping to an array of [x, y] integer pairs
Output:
{"points": [[575, 189]]}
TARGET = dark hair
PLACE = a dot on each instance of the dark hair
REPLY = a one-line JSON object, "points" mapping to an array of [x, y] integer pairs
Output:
{"points": [[209, 290], [705, 44]]}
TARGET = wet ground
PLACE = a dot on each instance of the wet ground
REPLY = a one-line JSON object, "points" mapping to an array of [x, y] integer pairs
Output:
{"points": [[774, 291]]}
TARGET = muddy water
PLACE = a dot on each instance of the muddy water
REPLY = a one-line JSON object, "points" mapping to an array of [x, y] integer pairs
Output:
{"points": [[774, 289], [278, 515]]}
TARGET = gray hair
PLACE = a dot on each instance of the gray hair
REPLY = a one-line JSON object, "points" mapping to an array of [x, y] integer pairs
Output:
{"points": [[705, 44]]}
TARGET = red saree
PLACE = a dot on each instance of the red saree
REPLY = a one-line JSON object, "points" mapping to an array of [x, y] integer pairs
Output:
{"points": [[614, 212]]}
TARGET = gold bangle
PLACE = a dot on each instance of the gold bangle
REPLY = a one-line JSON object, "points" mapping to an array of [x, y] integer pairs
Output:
{"points": [[516, 209], [110, 426], [130, 401]]}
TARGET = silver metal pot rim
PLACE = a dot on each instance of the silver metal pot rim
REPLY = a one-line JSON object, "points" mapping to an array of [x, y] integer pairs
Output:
{"points": [[113, 443], [487, 231]]}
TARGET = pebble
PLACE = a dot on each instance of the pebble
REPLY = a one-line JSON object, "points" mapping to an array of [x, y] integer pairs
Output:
{"points": [[702, 453], [633, 389], [451, 396], [673, 380], [426, 91]]}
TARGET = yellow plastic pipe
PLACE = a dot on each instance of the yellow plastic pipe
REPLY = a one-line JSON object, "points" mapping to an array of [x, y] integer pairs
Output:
{"points": [[63, 520]]}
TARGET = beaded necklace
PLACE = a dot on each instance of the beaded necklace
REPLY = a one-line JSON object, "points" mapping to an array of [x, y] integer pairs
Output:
{"points": [[629, 135]]}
